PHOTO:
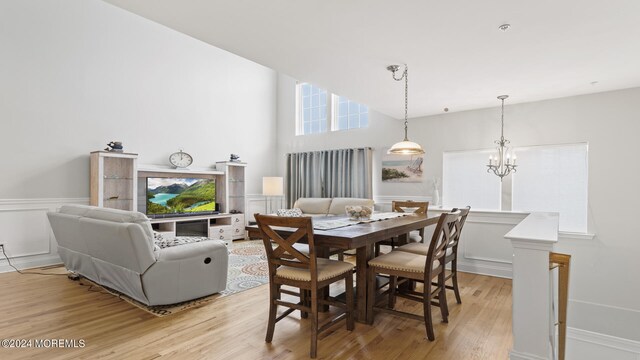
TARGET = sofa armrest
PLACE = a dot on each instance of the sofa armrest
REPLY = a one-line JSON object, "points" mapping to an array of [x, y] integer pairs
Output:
{"points": [[187, 272], [190, 250]]}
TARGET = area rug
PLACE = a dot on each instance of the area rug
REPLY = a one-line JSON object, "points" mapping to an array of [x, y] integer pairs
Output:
{"points": [[247, 269]]}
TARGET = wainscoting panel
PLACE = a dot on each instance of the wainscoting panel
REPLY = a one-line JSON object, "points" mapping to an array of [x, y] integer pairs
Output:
{"points": [[486, 242], [26, 232], [483, 248], [28, 238], [257, 203], [586, 345]]}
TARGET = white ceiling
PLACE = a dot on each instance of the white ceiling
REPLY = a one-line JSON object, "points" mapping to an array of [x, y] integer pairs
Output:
{"points": [[457, 56]]}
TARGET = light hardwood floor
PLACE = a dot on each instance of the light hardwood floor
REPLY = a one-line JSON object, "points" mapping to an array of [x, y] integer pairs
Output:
{"points": [[233, 327]]}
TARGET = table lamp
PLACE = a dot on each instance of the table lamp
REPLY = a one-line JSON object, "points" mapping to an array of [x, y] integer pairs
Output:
{"points": [[272, 186]]}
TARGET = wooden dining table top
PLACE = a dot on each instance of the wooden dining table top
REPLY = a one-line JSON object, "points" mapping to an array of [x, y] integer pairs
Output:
{"points": [[362, 234]]}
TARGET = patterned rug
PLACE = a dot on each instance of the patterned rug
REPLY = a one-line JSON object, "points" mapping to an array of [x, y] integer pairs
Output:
{"points": [[247, 269], [247, 266]]}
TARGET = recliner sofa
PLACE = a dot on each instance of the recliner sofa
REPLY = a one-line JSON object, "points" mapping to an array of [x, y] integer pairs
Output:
{"points": [[115, 248]]}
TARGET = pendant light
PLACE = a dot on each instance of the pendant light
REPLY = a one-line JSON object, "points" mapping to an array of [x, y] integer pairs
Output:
{"points": [[503, 162], [404, 147]]}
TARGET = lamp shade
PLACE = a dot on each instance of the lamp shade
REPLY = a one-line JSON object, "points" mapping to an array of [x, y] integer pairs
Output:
{"points": [[272, 186], [406, 147]]}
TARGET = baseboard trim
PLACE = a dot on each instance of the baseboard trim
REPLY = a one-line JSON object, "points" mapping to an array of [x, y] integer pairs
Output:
{"points": [[30, 262], [516, 355], [486, 269]]}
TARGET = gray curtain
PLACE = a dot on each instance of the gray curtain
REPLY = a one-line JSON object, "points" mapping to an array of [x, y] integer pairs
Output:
{"points": [[329, 173]]}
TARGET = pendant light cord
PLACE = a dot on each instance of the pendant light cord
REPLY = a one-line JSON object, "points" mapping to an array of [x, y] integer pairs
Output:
{"points": [[406, 102], [502, 119], [405, 76]]}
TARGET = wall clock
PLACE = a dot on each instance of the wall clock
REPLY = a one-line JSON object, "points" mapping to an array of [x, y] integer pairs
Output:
{"points": [[180, 159]]}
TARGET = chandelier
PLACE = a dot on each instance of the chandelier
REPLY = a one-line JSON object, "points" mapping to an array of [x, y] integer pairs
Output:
{"points": [[404, 147], [504, 162]]}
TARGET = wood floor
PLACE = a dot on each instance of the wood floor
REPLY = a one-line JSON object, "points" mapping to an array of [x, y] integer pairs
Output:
{"points": [[233, 327]]}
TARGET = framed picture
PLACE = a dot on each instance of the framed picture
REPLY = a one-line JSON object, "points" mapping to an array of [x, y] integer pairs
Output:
{"points": [[402, 168]]}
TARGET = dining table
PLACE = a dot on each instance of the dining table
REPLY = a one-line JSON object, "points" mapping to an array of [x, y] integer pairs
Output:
{"points": [[361, 236]]}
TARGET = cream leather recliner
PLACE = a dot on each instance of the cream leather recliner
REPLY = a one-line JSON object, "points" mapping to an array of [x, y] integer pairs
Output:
{"points": [[115, 248]]}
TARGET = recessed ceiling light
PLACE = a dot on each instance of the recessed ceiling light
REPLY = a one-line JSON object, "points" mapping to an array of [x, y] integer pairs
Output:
{"points": [[504, 27]]}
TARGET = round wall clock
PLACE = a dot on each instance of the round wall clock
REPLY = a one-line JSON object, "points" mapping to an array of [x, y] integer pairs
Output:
{"points": [[180, 159]]}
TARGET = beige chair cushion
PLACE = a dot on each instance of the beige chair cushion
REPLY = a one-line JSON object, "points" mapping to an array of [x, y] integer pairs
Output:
{"points": [[401, 261], [415, 248], [327, 269], [419, 248]]}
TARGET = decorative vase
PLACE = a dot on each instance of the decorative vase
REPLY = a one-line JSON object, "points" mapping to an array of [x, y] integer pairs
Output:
{"points": [[436, 197]]}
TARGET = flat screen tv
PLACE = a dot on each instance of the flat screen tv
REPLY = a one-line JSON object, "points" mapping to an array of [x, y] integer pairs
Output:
{"points": [[180, 195]]}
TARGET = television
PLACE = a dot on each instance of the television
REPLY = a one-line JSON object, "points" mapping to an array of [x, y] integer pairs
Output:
{"points": [[167, 196]]}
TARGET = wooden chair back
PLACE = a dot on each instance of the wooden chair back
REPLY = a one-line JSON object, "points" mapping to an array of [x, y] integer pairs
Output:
{"points": [[401, 206], [442, 237], [280, 250], [464, 212]]}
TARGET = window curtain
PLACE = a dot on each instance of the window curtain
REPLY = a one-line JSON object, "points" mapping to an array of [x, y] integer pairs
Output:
{"points": [[329, 173]]}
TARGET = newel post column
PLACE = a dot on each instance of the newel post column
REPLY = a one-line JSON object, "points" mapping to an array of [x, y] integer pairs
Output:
{"points": [[532, 323]]}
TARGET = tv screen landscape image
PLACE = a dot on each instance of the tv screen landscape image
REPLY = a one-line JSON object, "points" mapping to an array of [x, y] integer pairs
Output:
{"points": [[180, 195]]}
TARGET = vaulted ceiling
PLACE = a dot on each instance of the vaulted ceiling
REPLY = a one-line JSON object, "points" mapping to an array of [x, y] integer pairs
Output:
{"points": [[457, 56]]}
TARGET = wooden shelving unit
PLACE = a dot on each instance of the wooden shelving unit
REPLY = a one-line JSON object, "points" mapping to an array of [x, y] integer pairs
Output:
{"points": [[232, 196], [114, 180]]}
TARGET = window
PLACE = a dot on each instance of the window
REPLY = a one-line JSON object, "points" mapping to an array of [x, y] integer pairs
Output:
{"points": [[549, 178], [313, 109], [319, 110], [466, 183], [350, 114]]}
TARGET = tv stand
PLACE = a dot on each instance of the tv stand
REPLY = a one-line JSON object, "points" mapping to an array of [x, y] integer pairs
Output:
{"points": [[226, 227]]}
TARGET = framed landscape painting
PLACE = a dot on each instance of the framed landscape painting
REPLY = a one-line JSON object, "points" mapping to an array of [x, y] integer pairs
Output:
{"points": [[402, 168]]}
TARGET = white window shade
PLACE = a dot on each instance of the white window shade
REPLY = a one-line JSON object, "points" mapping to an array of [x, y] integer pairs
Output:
{"points": [[553, 178], [465, 181]]}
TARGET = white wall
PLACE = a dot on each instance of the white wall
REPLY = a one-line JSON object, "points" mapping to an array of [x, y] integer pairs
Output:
{"points": [[76, 74], [604, 288]]}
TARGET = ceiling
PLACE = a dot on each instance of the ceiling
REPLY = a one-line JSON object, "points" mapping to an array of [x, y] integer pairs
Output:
{"points": [[457, 56]]}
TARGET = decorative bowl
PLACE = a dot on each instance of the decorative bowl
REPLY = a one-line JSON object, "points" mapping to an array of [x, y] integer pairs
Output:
{"points": [[358, 212]]}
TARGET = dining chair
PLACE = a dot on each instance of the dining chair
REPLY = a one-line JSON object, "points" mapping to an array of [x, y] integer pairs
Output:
{"points": [[452, 253], [416, 207], [288, 266], [420, 268], [303, 247]]}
